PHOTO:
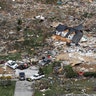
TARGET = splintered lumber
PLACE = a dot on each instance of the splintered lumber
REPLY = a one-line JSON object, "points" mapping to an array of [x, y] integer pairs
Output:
{"points": [[57, 37]]}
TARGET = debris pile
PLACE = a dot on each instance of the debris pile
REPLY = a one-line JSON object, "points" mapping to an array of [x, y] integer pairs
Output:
{"points": [[26, 26]]}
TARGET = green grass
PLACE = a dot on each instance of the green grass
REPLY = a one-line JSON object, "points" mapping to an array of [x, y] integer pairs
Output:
{"points": [[48, 69], [38, 93], [60, 85], [69, 86], [8, 90]]}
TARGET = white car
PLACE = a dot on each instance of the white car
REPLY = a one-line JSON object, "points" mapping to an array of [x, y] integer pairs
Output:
{"points": [[12, 64], [36, 77]]}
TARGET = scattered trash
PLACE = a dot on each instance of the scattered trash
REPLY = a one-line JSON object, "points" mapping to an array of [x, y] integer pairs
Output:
{"points": [[40, 17]]}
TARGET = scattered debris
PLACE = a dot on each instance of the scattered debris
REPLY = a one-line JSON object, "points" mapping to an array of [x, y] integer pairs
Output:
{"points": [[72, 43]]}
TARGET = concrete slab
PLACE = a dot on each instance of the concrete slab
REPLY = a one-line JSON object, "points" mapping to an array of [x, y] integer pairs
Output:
{"points": [[28, 72], [24, 88]]}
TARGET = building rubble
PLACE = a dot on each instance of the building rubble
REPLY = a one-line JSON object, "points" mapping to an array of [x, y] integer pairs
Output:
{"points": [[20, 15]]}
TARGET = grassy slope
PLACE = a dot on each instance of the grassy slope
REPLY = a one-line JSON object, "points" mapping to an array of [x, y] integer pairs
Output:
{"points": [[7, 91]]}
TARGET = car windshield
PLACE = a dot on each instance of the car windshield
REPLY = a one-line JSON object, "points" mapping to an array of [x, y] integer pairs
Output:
{"points": [[21, 74], [35, 75], [11, 64]]}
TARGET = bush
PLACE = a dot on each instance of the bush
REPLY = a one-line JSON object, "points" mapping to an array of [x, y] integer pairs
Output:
{"points": [[5, 77], [56, 63], [90, 74], [18, 28], [19, 22], [48, 1], [51, 1], [69, 72], [40, 71], [47, 69], [8, 77]]}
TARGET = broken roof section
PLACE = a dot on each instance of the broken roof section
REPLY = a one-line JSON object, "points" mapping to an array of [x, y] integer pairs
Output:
{"points": [[74, 34], [61, 27], [79, 27]]}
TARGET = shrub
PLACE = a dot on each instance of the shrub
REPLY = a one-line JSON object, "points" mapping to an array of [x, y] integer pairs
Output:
{"points": [[19, 22], [69, 72], [40, 71], [18, 28], [51, 1], [48, 1], [90, 74], [56, 63], [8, 77], [3, 77]]}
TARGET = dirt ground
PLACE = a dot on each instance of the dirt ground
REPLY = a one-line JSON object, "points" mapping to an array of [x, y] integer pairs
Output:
{"points": [[86, 67], [8, 70]]}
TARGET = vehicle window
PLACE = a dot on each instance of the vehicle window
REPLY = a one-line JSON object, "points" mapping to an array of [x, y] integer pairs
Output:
{"points": [[9, 64], [21, 74], [35, 75], [13, 63]]}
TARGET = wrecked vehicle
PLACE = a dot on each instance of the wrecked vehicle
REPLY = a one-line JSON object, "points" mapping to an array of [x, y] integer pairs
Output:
{"points": [[45, 60], [36, 77], [12, 64], [23, 66]]}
